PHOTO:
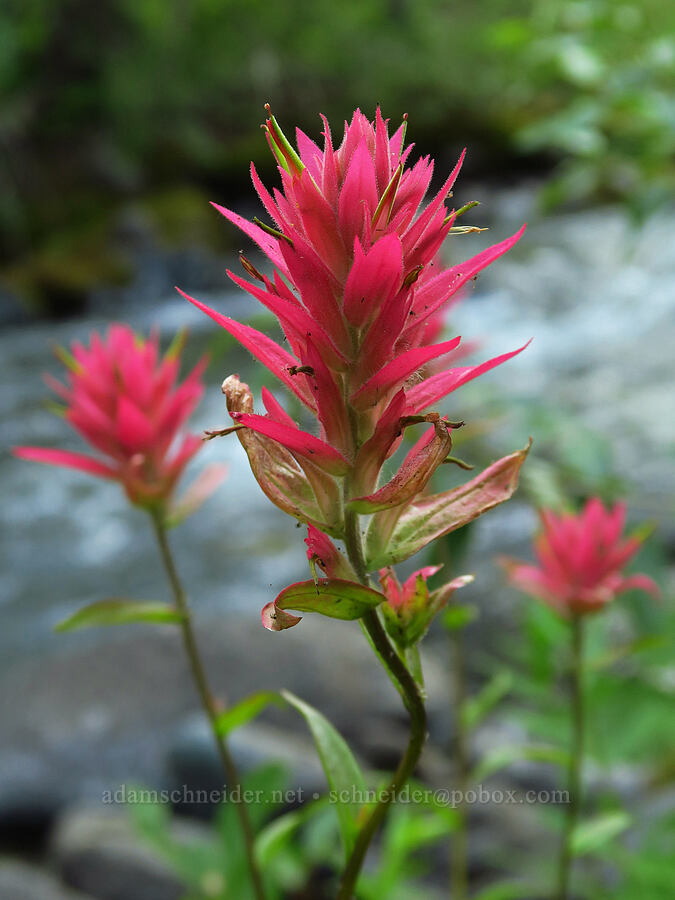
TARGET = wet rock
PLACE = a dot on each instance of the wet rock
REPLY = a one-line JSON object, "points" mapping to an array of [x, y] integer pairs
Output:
{"points": [[30, 800], [19, 881], [106, 714], [195, 771], [99, 852]]}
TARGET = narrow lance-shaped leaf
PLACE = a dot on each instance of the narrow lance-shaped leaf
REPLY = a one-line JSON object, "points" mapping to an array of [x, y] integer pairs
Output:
{"points": [[242, 713], [343, 773], [432, 517], [118, 611], [332, 597], [479, 706], [591, 836], [503, 757]]}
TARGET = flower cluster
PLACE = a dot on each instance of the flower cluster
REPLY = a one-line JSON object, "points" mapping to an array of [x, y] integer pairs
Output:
{"points": [[358, 287], [127, 403], [580, 560]]}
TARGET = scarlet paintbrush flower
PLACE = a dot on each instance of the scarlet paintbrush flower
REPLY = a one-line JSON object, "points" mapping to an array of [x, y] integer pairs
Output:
{"points": [[358, 288], [580, 560], [127, 404]]}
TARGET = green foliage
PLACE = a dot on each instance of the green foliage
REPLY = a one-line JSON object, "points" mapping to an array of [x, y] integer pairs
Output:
{"points": [[118, 611], [476, 708], [594, 834], [410, 829], [244, 711], [343, 774], [107, 99], [592, 80], [293, 845], [649, 871], [214, 867]]}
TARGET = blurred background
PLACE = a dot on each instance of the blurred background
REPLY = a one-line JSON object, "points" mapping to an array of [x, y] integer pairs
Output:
{"points": [[120, 121]]}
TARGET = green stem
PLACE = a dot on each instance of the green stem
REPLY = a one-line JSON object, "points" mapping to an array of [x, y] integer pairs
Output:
{"points": [[576, 759], [201, 683], [459, 877], [413, 702]]}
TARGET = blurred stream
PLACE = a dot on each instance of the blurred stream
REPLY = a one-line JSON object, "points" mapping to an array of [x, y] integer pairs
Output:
{"points": [[596, 292], [86, 711]]}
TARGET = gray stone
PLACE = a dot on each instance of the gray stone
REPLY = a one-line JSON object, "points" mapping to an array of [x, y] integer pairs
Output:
{"points": [[99, 852], [19, 881]]}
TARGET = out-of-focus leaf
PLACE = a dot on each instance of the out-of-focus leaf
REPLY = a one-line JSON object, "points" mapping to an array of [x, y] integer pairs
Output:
{"points": [[414, 663], [274, 837], [505, 891], [541, 482], [459, 615], [476, 708], [245, 710], [591, 836], [503, 757], [639, 645], [118, 611]]}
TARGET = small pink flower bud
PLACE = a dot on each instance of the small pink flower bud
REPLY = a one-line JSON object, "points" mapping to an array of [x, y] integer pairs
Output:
{"points": [[411, 606]]}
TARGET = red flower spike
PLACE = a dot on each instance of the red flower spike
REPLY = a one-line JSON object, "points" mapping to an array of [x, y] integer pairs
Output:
{"points": [[270, 354], [128, 404], [398, 370], [359, 290], [580, 558]]}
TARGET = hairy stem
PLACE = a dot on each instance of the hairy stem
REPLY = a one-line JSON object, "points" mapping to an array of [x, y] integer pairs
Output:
{"points": [[576, 759], [201, 683], [414, 704], [459, 878]]}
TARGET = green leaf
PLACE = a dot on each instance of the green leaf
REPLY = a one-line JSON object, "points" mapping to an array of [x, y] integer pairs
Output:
{"points": [[476, 708], [502, 757], [639, 645], [508, 890], [414, 664], [245, 710], [459, 615], [591, 836], [344, 776], [275, 836], [332, 597], [118, 611]]}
